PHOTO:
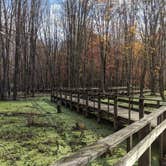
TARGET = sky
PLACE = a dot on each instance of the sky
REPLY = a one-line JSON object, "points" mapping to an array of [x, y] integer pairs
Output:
{"points": [[54, 1], [58, 1]]}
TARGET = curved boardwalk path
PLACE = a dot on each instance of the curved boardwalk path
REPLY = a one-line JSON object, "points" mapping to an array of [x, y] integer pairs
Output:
{"points": [[148, 127], [122, 113]]}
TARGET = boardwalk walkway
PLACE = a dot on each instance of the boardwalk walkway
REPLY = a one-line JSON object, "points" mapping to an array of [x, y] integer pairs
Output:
{"points": [[147, 127], [122, 113]]}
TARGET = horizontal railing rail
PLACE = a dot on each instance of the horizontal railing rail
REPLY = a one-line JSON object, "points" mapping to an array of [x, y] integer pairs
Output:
{"points": [[142, 127]]}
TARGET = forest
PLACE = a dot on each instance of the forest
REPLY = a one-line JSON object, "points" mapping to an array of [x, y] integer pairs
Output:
{"points": [[81, 44], [73, 72]]}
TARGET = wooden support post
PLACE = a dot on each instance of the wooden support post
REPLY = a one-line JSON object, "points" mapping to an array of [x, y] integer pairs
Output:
{"points": [[86, 110], [59, 106], [129, 143], [78, 101], [129, 110], [162, 142], [108, 104], [65, 94], [141, 108], [99, 109], [163, 148], [54, 99], [55, 96], [145, 159], [60, 94], [52, 95], [115, 112], [71, 95], [71, 100], [93, 102], [158, 103]]}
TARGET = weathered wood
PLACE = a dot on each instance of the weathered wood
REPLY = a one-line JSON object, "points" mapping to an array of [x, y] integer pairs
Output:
{"points": [[130, 158], [59, 107], [158, 103], [122, 113], [129, 143], [91, 152], [115, 113], [162, 140], [108, 104], [141, 108], [83, 156], [129, 120], [71, 99], [145, 159], [87, 99], [78, 101], [99, 109]]}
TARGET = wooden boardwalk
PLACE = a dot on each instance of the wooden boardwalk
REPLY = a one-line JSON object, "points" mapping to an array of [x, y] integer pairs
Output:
{"points": [[122, 113], [148, 128], [140, 152]]}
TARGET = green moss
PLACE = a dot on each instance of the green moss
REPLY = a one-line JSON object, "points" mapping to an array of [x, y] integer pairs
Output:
{"points": [[51, 139]]}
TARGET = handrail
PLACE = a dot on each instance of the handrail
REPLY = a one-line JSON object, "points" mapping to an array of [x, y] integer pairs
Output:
{"points": [[130, 158], [91, 152]]}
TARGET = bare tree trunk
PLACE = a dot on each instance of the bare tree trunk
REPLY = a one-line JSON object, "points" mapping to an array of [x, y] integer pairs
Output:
{"points": [[17, 48]]}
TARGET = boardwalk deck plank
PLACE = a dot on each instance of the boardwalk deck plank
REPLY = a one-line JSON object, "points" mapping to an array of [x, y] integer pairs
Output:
{"points": [[122, 112]]}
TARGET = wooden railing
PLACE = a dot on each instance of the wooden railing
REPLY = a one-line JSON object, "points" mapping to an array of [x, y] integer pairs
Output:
{"points": [[142, 127], [144, 148], [141, 152], [98, 97]]}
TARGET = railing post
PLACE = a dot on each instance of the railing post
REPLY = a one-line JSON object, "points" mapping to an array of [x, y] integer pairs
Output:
{"points": [[99, 109], [129, 110], [115, 112], [55, 95], [59, 104], [52, 95], [129, 143], [78, 101], [70, 100], [162, 142], [158, 103], [86, 109], [94, 96], [65, 94], [145, 159], [141, 108], [60, 94], [108, 104]]}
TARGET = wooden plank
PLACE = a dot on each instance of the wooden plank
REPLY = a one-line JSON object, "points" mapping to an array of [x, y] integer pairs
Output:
{"points": [[145, 159], [82, 157], [130, 158], [115, 113], [123, 113], [129, 143], [162, 140], [141, 108], [85, 155], [99, 109]]}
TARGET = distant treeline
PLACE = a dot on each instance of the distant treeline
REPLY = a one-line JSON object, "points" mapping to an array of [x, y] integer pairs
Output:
{"points": [[81, 43]]}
